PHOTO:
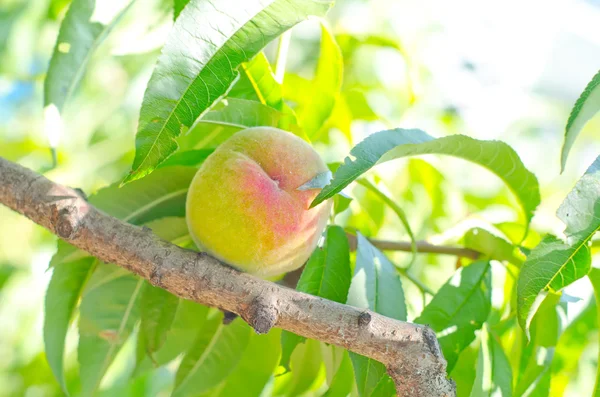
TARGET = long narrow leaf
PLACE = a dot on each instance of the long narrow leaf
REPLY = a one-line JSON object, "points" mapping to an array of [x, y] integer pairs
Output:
{"points": [[79, 36], [375, 286], [62, 296], [460, 308], [200, 61], [388, 145], [584, 109], [554, 264]]}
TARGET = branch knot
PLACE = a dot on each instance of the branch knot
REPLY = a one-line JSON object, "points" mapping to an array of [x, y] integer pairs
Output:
{"points": [[261, 314]]}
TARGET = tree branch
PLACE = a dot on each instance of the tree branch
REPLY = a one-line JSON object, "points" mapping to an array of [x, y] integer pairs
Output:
{"points": [[422, 247], [410, 351]]}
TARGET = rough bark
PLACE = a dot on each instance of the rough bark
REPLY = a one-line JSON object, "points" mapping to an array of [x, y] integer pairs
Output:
{"points": [[410, 352]]}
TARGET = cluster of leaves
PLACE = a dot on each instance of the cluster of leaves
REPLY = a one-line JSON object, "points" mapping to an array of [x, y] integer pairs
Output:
{"points": [[213, 79]]}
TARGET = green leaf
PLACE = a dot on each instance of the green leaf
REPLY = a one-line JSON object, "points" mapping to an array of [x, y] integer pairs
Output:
{"points": [[387, 145], [385, 388], [342, 382], [228, 117], [326, 274], [595, 280], [289, 341], [368, 373], [268, 90], [255, 368], [375, 286], [550, 266], [109, 311], [494, 374], [178, 6], [585, 108], [340, 203], [189, 318], [160, 195], [62, 296], [316, 109], [554, 264], [307, 371], [81, 32], [537, 355], [8, 17], [397, 210], [492, 246], [158, 308], [199, 62], [215, 354], [188, 158], [243, 113], [460, 308], [573, 342], [318, 182]]}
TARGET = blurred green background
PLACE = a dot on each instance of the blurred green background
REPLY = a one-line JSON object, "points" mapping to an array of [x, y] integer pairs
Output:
{"points": [[504, 70]]}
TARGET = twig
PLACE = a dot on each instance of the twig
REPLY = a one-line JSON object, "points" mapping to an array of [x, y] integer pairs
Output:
{"points": [[422, 247], [410, 352]]}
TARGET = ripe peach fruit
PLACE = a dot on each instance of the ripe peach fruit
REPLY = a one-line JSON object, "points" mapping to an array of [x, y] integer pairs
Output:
{"points": [[244, 208]]}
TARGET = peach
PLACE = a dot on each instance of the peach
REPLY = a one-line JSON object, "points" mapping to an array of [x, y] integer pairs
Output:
{"points": [[243, 206]]}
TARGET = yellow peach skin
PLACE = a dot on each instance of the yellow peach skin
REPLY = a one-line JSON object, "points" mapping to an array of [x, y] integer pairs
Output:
{"points": [[244, 208]]}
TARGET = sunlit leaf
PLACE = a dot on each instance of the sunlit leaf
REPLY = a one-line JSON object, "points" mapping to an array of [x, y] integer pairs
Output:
{"points": [[215, 354], [326, 274], [554, 264], [228, 117], [86, 25], [494, 374], [460, 308], [397, 210], [432, 180], [537, 355], [62, 296], [577, 337], [268, 90], [492, 246], [244, 113], [199, 62], [387, 145], [375, 286], [109, 311], [340, 203], [314, 111], [584, 109], [8, 17], [595, 279], [350, 43]]}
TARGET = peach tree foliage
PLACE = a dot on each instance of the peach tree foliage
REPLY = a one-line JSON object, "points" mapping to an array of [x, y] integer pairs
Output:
{"points": [[213, 79]]}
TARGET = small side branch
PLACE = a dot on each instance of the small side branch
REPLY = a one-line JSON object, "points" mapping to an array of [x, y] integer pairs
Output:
{"points": [[422, 247], [410, 351]]}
